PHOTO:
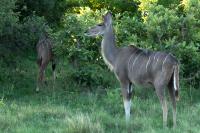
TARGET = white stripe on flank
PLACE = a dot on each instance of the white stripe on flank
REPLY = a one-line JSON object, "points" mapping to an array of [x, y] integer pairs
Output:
{"points": [[156, 61], [164, 61], [136, 59], [175, 87], [154, 56], [127, 108], [129, 62], [148, 63], [157, 53], [157, 58]]}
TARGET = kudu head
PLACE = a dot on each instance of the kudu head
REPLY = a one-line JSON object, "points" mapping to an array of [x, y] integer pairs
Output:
{"points": [[101, 28]]}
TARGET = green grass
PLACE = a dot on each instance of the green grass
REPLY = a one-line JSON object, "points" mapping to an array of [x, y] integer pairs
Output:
{"points": [[69, 108]]}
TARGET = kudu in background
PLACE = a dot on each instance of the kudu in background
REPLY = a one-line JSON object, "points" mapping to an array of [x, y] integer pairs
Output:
{"points": [[44, 56], [133, 66]]}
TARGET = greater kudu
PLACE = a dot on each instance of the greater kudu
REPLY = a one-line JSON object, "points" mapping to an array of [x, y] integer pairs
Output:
{"points": [[134, 66], [44, 56]]}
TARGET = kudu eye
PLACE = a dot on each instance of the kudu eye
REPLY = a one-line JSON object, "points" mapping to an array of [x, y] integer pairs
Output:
{"points": [[100, 24]]}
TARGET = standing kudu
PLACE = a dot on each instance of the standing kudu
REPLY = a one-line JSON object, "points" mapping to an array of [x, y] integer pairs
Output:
{"points": [[134, 66], [44, 56]]}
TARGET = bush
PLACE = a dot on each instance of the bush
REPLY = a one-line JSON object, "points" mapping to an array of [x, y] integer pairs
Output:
{"points": [[162, 29], [17, 38], [8, 27], [170, 31], [81, 51], [161, 24], [167, 27]]}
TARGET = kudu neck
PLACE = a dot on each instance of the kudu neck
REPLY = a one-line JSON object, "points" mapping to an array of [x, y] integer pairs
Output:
{"points": [[109, 49]]}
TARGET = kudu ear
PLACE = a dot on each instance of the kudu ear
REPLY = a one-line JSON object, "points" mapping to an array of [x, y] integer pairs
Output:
{"points": [[107, 18]]}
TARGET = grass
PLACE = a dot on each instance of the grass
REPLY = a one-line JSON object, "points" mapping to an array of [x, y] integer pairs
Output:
{"points": [[68, 108]]}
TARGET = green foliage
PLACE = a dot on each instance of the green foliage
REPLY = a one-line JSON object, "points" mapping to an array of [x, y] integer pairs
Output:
{"points": [[32, 29], [8, 25], [169, 31], [116, 6], [125, 34], [8, 18], [161, 24], [164, 27], [145, 4], [79, 101], [51, 10], [16, 37], [191, 20], [81, 51], [169, 3], [190, 60]]}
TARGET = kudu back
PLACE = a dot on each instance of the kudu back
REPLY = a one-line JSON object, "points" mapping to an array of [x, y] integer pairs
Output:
{"points": [[44, 56], [134, 66]]}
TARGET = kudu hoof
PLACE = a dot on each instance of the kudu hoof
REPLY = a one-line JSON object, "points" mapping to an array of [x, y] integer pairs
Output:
{"points": [[45, 82], [164, 125], [174, 126], [37, 89], [177, 98]]}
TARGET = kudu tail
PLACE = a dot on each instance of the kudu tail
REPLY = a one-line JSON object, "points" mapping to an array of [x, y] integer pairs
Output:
{"points": [[176, 82]]}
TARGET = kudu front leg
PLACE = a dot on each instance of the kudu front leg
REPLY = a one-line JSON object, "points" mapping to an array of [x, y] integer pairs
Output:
{"points": [[127, 92]]}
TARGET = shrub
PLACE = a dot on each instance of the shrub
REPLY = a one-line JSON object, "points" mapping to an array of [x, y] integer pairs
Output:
{"points": [[81, 51]]}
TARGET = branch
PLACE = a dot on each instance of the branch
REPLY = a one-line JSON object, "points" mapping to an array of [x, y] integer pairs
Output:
{"points": [[193, 77]]}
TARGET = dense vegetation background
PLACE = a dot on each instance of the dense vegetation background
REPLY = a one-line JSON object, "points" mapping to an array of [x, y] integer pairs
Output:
{"points": [[86, 97]]}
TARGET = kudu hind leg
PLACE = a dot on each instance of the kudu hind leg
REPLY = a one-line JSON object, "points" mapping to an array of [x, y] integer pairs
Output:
{"points": [[54, 73], [160, 91], [53, 69], [40, 76], [173, 99]]}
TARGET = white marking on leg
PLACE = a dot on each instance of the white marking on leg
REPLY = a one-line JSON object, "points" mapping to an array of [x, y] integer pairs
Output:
{"points": [[175, 88], [131, 89], [127, 108]]}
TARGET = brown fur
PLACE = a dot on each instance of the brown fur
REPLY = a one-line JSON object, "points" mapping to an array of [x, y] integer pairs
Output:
{"points": [[44, 56]]}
